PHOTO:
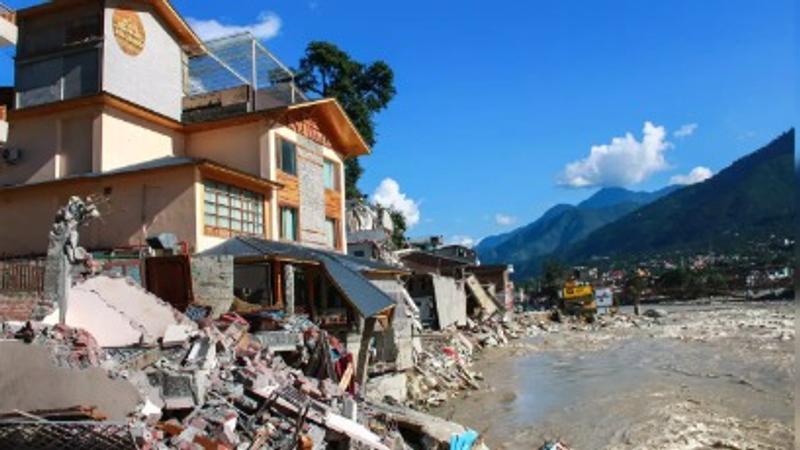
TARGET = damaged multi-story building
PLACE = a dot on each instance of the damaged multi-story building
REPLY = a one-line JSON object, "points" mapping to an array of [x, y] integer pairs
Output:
{"points": [[204, 146], [449, 285], [206, 140]]}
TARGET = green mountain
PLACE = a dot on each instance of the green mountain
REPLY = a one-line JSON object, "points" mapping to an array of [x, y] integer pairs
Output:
{"points": [[559, 227], [616, 195], [750, 200]]}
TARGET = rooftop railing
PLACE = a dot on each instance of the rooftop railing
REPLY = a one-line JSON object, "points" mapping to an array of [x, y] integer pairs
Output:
{"points": [[237, 60]]}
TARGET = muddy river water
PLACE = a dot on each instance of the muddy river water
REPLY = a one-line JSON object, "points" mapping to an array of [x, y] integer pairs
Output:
{"points": [[714, 377]]}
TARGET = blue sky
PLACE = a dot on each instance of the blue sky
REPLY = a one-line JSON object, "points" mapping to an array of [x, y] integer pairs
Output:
{"points": [[496, 99]]}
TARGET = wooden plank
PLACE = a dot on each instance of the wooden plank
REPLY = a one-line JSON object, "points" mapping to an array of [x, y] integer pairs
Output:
{"points": [[347, 375], [290, 194], [363, 354], [333, 204]]}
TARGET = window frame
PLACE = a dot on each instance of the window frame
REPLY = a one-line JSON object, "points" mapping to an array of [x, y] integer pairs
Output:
{"points": [[335, 243], [296, 209], [251, 206], [336, 184], [280, 140]]}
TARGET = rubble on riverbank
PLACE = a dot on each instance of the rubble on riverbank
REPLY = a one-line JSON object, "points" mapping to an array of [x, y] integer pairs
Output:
{"points": [[220, 386], [443, 367]]}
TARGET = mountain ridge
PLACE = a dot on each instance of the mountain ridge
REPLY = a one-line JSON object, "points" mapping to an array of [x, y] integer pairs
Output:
{"points": [[749, 199], [560, 226]]}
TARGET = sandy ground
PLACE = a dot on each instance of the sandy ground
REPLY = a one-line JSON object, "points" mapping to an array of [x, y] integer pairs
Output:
{"points": [[703, 376]]}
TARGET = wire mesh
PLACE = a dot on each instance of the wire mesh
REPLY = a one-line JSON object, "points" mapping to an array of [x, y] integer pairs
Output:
{"points": [[65, 435]]}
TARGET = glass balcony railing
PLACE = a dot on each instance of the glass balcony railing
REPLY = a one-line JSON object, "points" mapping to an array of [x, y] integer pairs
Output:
{"points": [[241, 60]]}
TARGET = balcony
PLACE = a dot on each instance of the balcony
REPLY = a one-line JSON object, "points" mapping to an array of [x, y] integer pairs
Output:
{"points": [[237, 74], [8, 27]]}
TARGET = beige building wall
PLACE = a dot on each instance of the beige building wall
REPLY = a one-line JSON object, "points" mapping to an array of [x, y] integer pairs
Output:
{"points": [[51, 146], [133, 206], [37, 140], [128, 140], [74, 156], [238, 147]]}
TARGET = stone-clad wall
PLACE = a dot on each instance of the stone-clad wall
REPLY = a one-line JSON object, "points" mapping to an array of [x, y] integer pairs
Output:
{"points": [[312, 197], [212, 282]]}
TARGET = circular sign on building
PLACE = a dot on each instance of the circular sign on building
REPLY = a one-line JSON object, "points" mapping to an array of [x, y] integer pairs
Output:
{"points": [[128, 31]]}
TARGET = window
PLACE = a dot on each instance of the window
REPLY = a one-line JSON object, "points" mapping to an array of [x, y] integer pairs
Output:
{"points": [[331, 175], [330, 232], [232, 209], [288, 224], [287, 156]]}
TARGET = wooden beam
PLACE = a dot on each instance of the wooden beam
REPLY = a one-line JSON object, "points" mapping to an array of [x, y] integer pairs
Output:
{"points": [[363, 354], [277, 271]]}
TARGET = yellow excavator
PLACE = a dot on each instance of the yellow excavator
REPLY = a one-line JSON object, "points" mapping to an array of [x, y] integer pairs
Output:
{"points": [[578, 300]]}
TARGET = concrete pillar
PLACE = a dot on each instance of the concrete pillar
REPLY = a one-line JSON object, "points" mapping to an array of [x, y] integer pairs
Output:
{"points": [[56, 280], [288, 288]]}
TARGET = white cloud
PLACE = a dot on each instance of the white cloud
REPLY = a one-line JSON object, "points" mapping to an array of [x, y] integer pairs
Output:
{"points": [[459, 239], [624, 161], [504, 219], [697, 175], [388, 195], [266, 26], [685, 130]]}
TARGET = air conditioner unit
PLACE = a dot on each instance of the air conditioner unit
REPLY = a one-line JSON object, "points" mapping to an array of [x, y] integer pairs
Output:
{"points": [[12, 155]]}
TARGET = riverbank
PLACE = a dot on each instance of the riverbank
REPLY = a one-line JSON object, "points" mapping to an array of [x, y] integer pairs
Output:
{"points": [[691, 376]]}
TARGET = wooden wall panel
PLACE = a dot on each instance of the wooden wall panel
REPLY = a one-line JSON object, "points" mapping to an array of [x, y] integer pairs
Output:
{"points": [[333, 204], [290, 193]]}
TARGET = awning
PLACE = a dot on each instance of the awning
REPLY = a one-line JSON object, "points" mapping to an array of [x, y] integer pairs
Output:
{"points": [[364, 296]]}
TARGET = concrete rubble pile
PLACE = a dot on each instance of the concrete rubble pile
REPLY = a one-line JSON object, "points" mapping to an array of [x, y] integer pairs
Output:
{"points": [[442, 370], [548, 322], [68, 347], [216, 384]]}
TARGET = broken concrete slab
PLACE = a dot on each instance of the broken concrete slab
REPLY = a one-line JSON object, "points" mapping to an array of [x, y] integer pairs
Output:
{"points": [[108, 325], [32, 382], [394, 386], [487, 303], [176, 334], [354, 431], [280, 341], [451, 302], [119, 313]]}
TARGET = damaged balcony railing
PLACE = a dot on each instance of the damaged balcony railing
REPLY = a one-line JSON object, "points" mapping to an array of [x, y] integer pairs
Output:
{"points": [[238, 60]]}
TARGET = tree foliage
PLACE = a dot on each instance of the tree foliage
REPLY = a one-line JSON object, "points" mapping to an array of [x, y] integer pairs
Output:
{"points": [[400, 227], [361, 89], [554, 275]]}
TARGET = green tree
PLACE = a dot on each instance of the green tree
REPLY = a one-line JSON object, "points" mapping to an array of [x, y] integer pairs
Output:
{"points": [[554, 274], [715, 281], [361, 89], [632, 292], [400, 227]]}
